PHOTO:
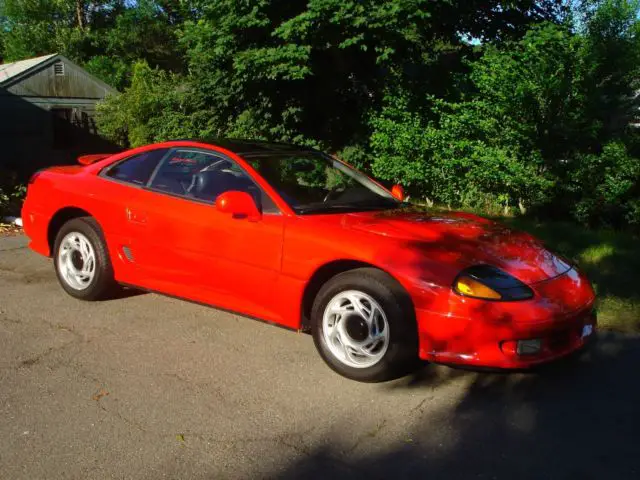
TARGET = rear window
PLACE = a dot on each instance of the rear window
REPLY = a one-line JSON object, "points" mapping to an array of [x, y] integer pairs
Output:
{"points": [[138, 168]]}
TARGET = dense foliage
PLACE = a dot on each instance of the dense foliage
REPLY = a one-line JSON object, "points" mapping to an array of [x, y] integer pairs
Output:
{"points": [[502, 105]]}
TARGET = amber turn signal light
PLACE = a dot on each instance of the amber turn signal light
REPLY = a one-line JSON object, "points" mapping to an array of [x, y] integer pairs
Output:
{"points": [[469, 287]]}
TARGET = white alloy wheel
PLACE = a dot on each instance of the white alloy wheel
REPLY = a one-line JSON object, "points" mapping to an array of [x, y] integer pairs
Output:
{"points": [[355, 329], [76, 261]]}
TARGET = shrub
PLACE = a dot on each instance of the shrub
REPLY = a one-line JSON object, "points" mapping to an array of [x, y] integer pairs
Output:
{"points": [[606, 187], [454, 159], [153, 108], [11, 198]]}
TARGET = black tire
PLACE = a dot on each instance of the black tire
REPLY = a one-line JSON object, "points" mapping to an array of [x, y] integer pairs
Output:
{"points": [[402, 352], [103, 284]]}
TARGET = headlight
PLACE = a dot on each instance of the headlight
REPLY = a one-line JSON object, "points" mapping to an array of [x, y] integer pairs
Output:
{"points": [[490, 283]]}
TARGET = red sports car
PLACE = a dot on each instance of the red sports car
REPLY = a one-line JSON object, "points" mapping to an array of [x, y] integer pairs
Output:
{"points": [[297, 238]]}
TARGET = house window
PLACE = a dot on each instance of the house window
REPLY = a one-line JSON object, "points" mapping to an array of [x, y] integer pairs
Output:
{"points": [[58, 69]]}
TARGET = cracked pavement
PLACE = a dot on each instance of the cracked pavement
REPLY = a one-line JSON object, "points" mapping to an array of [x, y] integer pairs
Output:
{"points": [[146, 386]]}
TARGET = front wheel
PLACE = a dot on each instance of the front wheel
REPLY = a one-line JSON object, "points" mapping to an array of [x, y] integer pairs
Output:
{"points": [[364, 327], [81, 260]]}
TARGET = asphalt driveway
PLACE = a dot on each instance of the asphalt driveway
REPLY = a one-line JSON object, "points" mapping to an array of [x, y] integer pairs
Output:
{"points": [[150, 387]]}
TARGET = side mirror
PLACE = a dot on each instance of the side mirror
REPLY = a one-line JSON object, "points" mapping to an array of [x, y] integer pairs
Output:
{"points": [[239, 205], [398, 192]]}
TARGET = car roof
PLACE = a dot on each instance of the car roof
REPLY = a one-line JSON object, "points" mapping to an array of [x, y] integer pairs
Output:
{"points": [[252, 147]]}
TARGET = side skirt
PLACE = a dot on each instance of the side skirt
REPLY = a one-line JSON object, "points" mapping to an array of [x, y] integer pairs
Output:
{"points": [[209, 305]]}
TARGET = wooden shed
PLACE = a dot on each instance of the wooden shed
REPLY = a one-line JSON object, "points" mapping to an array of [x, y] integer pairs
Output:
{"points": [[47, 113]]}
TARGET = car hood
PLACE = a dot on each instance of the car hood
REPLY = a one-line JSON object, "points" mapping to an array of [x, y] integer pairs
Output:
{"points": [[460, 240]]}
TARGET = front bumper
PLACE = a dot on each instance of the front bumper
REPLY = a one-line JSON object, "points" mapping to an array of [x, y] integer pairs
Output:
{"points": [[556, 342], [486, 334]]}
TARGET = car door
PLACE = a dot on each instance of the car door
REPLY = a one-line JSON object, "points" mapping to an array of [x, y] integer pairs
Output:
{"points": [[187, 248], [115, 188]]}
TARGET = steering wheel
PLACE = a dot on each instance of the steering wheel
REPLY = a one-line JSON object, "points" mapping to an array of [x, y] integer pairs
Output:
{"points": [[218, 165], [215, 166]]}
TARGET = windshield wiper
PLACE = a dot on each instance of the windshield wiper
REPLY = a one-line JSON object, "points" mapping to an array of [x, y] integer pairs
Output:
{"points": [[331, 207]]}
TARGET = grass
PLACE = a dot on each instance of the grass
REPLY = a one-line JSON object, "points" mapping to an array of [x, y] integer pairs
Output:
{"points": [[610, 259]]}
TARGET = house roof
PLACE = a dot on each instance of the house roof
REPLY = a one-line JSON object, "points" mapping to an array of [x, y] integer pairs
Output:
{"points": [[11, 70], [10, 73]]}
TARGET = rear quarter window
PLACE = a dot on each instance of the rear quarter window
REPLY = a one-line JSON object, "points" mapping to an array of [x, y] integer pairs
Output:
{"points": [[136, 169]]}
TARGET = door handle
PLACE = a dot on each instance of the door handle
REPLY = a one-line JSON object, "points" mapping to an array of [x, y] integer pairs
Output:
{"points": [[136, 217]]}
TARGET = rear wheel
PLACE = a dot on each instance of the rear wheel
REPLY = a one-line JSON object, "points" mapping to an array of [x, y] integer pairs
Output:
{"points": [[363, 326], [82, 261]]}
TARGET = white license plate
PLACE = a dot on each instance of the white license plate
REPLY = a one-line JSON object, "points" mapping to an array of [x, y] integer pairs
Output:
{"points": [[587, 330]]}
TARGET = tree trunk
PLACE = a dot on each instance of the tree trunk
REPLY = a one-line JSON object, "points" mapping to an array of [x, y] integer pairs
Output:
{"points": [[80, 13]]}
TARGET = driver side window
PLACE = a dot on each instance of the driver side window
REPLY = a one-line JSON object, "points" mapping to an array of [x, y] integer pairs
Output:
{"points": [[202, 176]]}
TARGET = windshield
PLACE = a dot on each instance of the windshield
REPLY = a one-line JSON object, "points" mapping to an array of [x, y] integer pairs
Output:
{"points": [[316, 183]]}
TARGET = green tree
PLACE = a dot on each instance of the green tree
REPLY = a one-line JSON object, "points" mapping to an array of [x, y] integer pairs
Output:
{"points": [[105, 36], [531, 130], [40, 27], [485, 104], [315, 69], [152, 109]]}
